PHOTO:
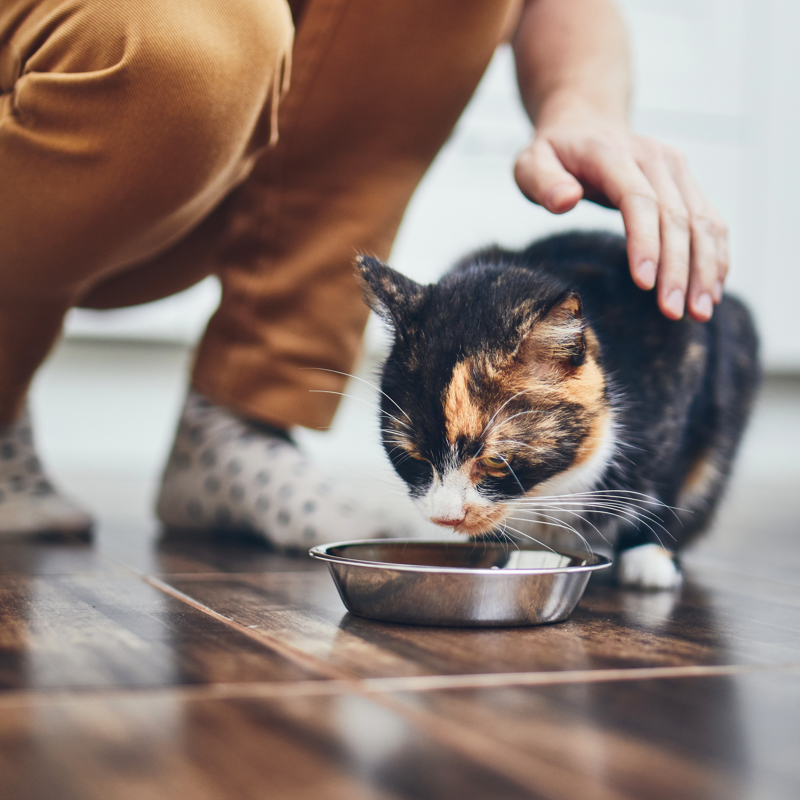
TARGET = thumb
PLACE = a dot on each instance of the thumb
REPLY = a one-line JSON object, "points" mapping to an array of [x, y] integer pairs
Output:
{"points": [[542, 178]]}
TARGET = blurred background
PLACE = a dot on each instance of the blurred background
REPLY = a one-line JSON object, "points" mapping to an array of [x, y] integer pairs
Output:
{"points": [[716, 77]]}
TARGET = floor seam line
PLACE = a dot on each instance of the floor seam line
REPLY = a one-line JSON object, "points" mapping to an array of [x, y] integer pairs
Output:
{"points": [[281, 647], [199, 577], [500, 680], [373, 686], [210, 691]]}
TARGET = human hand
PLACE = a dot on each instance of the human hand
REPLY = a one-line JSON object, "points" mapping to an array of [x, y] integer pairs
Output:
{"points": [[676, 239]]}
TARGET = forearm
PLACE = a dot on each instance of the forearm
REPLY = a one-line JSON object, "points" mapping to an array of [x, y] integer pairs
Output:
{"points": [[572, 60]]}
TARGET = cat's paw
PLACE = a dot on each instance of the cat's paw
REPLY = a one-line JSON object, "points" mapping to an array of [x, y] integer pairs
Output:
{"points": [[648, 566]]}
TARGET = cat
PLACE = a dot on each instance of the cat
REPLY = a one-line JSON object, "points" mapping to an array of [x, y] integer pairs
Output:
{"points": [[540, 393]]}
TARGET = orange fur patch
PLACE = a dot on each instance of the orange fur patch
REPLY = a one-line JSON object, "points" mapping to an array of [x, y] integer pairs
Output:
{"points": [[462, 416], [701, 477], [553, 338], [584, 386]]}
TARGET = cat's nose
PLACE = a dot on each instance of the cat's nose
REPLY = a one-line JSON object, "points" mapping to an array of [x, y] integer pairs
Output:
{"points": [[452, 523]]}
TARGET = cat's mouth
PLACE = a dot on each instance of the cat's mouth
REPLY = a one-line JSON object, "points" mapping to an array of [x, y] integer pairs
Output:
{"points": [[475, 524]]}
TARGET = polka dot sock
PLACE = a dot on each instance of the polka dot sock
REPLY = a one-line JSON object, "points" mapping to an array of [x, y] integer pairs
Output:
{"points": [[29, 504], [230, 473]]}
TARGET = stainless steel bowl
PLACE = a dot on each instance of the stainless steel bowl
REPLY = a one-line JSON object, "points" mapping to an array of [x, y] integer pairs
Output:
{"points": [[468, 584]]}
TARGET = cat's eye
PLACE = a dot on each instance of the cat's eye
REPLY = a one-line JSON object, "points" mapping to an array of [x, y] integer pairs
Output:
{"points": [[492, 462]]}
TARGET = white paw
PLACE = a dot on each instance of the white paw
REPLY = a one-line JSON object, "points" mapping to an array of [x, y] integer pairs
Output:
{"points": [[648, 566]]}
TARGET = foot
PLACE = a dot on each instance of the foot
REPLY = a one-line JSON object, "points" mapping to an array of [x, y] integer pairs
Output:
{"points": [[29, 504], [229, 473], [648, 566]]}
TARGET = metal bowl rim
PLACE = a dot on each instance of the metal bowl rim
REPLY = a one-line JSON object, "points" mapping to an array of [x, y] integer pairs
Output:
{"points": [[320, 552]]}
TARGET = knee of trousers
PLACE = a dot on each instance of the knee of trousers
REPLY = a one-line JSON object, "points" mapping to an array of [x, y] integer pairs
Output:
{"points": [[141, 110], [202, 79]]}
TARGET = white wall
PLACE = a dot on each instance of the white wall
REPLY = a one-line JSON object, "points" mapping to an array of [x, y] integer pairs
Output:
{"points": [[721, 78], [717, 77]]}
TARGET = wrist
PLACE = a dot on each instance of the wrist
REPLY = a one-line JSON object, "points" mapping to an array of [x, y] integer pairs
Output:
{"points": [[567, 107]]}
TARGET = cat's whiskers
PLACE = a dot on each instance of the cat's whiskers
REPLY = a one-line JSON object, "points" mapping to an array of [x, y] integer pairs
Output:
{"points": [[368, 383], [395, 437], [519, 414], [524, 507], [622, 443], [538, 450], [486, 427], [397, 444], [625, 496], [626, 499], [401, 459], [392, 486], [361, 400], [582, 519], [527, 536], [556, 523], [620, 493], [513, 473], [633, 518], [505, 538], [391, 437], [508, 538], [618, 505], [639, 515], [634, 509]]}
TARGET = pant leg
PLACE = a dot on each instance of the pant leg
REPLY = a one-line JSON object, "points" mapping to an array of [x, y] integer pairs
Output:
{"points": [[122, 125], [376, 90]]}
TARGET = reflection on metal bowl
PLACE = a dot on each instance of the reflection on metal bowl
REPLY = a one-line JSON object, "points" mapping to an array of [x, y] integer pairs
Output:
{"points": [[466, 584]]}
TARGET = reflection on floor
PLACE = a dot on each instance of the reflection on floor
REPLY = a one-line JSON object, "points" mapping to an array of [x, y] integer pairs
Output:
{"points": [[148, 666]]}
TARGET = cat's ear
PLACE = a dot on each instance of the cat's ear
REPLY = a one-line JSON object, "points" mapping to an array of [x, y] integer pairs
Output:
{"points": [[558, 337], [392, 296]]}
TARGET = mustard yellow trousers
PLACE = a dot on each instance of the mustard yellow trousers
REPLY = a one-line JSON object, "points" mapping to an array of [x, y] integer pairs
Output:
{"points": [[146, 144]]}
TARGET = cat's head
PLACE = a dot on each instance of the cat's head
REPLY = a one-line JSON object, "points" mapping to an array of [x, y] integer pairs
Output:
{"points": [[492, 390]]}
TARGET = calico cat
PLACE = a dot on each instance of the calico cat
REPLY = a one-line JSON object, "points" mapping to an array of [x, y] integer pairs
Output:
{"points": [[540, 393]]}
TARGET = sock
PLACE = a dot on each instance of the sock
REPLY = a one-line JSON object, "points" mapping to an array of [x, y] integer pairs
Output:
{"points": [[228, 473], [29, 504]]}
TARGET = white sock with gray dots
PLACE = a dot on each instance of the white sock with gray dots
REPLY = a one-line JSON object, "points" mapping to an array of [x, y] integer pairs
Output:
{"points": [[230, 473], [29, 504]]}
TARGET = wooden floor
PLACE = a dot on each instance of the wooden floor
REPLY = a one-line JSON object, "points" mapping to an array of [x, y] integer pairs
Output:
{"points": [[149, 667]]}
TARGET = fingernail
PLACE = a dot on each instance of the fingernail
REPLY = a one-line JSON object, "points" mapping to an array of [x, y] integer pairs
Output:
{"points": [[674, 302], [717, 291], [703, 305], [647, 274], [560, 194]]}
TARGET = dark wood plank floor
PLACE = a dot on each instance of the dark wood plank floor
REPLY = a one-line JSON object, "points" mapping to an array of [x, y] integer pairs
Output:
{"points": [[143, 666]]}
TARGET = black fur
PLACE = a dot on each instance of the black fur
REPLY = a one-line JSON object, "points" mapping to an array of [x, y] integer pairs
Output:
{"points": [[680, 389]]}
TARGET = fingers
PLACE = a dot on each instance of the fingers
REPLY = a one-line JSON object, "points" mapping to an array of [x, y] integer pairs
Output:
{"points": [[676, 240], [639, 207], [675, 226], [671, 232], [694, 259], [615, 173], [709, 241], [542, 178]]}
